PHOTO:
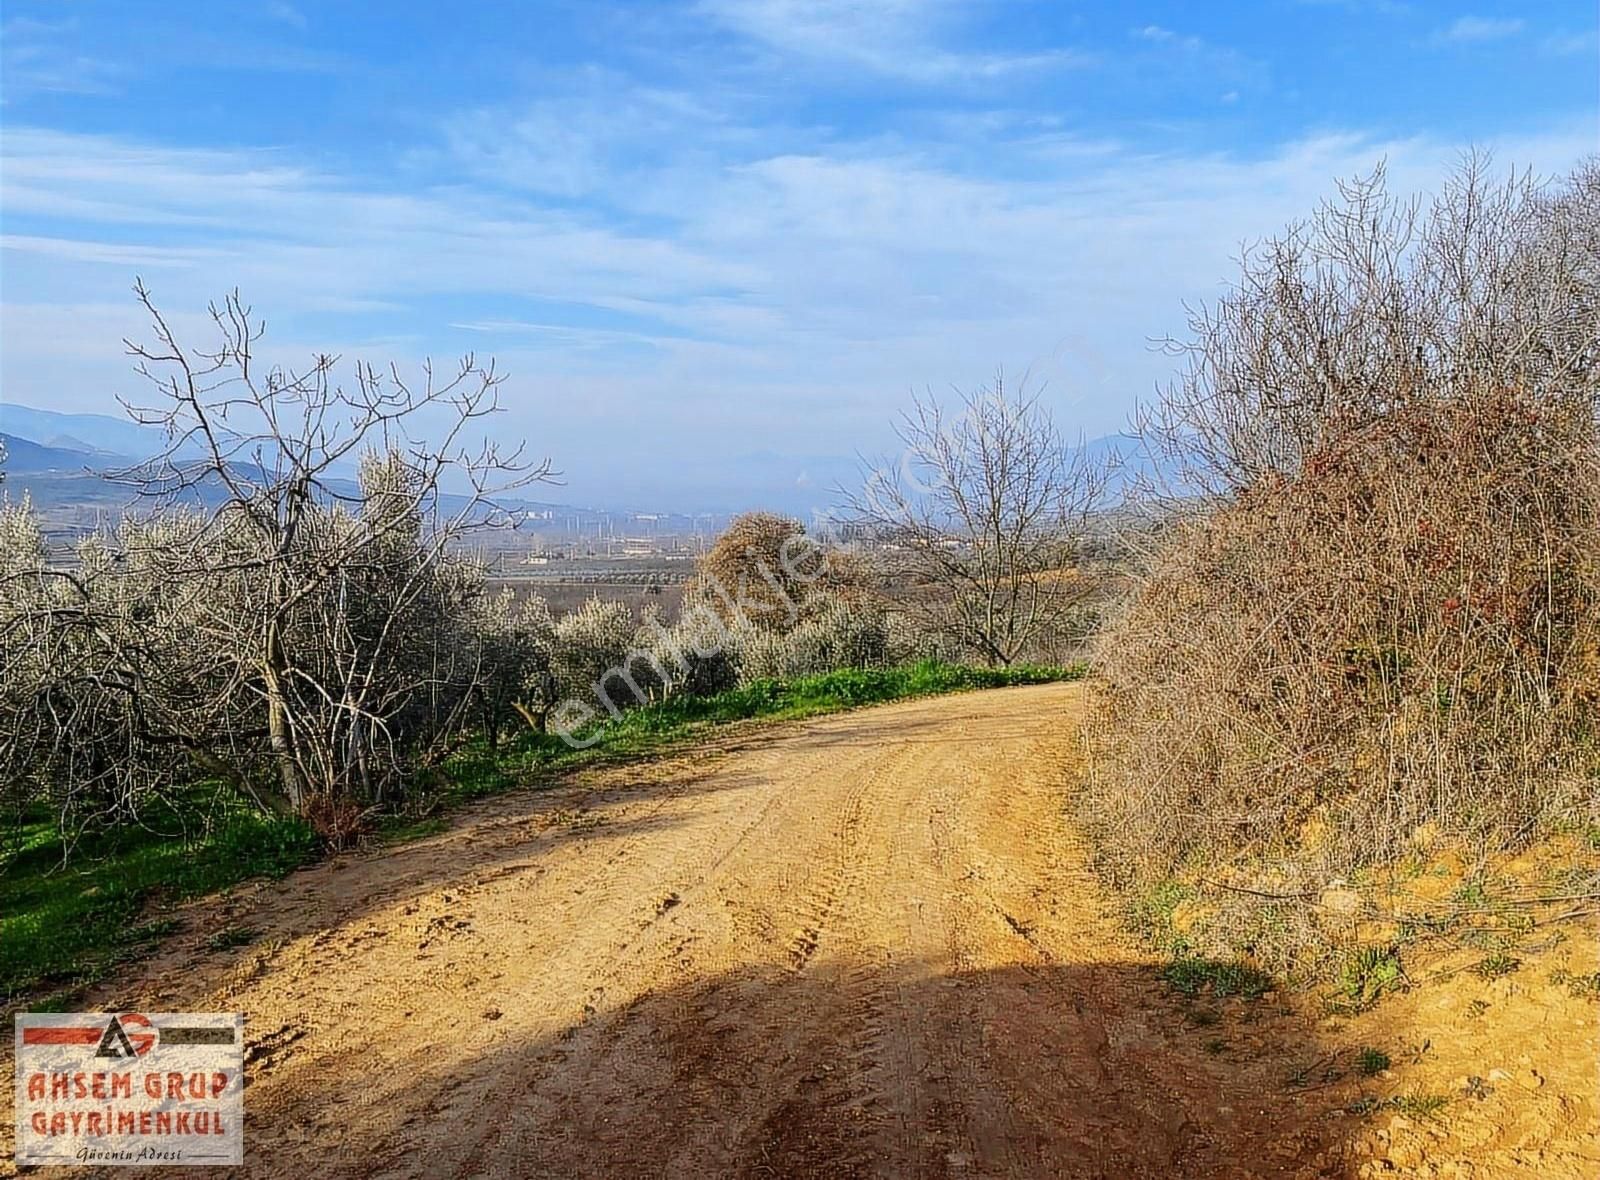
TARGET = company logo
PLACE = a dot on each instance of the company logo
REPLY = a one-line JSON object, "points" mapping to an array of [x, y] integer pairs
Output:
{"points": [[130, 1088]]}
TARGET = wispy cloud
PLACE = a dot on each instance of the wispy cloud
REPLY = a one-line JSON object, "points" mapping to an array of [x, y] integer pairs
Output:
{"points": [[1477, 30], [902, 39], [1193, 58], [42, 56], [1375, 7], [755, 221], [792, 296], [1573, 44], [285, 13]]}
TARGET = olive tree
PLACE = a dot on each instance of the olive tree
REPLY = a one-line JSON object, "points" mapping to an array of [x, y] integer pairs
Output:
{"points": [[274, 622]]}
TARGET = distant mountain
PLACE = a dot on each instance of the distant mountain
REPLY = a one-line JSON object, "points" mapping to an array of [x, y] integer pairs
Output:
{"points": [[59, 462], [117, 438], [26, 455], [802, 485]]}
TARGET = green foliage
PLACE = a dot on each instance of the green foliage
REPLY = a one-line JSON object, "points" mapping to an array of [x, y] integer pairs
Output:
{"points": [[1191, 975], [1372, 1061], [1472, 893], [231, 937], [805, 696], [1426, 1106], [1496, 965], [1152, 915], [1419, 1105], [64, 922], [1366, 976], [1582, 987]]}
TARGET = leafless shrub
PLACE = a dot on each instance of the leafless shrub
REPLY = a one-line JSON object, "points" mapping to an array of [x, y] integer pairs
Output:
{"points": [[1383, 626], [980, 522], [766, 571]]}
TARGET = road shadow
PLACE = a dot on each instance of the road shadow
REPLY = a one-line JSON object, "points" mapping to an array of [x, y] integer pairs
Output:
{"points": [[831, 1070]]}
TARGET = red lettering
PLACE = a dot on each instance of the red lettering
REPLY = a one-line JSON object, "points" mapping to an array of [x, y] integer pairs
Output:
{"points": [[122, 1085], [38, 1085]]}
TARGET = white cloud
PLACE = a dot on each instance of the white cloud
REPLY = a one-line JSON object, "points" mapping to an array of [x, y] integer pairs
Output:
{"points": [[902, 39], [287, 14], [41, 56], [1470, 30], [1573, 44], [1197, 56], [783, 301]]}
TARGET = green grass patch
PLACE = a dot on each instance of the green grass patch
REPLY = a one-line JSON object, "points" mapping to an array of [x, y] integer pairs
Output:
{"points": [[811, 695], [231, 938], [654, 728], [1580, 987], [1365, 977], [64, 923], [1423, 1106], [1192, 975], [1152, 914], [1496, 965], [1371, 1061]]}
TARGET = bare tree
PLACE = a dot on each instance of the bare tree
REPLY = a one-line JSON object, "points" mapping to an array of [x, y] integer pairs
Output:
{"points": [[981, 520], [272, 613]]}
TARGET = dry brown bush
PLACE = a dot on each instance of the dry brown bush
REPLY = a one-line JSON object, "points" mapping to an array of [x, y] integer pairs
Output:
{"points": [[1381, 623], [767, 571]]}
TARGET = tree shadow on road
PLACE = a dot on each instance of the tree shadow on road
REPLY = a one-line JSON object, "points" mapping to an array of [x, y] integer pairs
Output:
{"points": [[840, 1070]]}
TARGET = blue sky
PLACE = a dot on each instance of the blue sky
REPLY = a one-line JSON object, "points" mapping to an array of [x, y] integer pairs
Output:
{"points": [[717, 243]]}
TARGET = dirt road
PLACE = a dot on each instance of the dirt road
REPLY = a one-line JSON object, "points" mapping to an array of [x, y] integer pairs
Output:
{"points": [[862, 945]]}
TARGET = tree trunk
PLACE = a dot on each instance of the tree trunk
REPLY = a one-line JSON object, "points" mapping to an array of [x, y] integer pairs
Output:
{"points": [[278, 737]]}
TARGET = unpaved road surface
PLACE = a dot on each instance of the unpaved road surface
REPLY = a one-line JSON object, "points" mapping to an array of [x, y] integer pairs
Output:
{"points": [[866, 945]]}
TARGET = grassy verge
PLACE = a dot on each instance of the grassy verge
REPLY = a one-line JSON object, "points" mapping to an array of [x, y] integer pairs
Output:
{"points": [[64, 926], [657, 727]]}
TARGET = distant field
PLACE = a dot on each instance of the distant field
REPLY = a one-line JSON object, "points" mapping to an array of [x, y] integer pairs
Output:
{"points": [[565, 597], [634, 582]]}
